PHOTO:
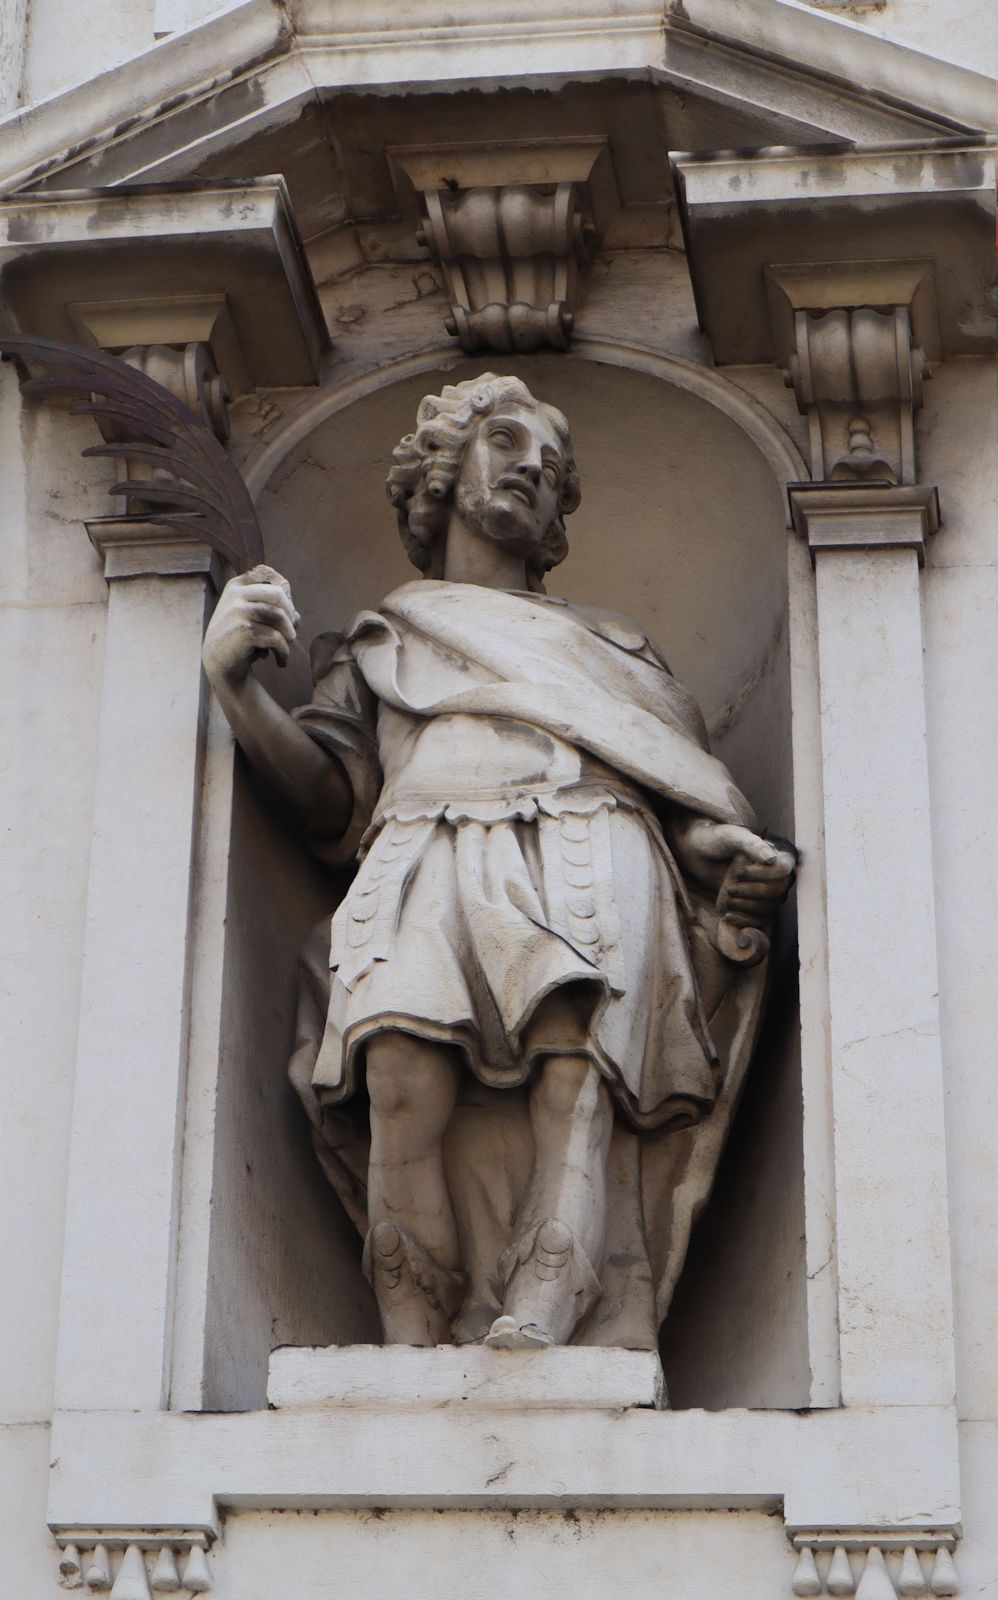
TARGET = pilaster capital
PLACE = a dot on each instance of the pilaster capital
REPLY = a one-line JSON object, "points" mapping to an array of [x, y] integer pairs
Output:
{"points": [[865, 516], [219, 263], [857, 376], [139, 547]]}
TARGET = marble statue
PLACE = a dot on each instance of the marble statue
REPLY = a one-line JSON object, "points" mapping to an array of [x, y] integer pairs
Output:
{"points": [[521, 1036]]}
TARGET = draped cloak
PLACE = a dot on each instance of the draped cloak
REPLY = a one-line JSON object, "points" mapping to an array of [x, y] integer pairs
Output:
{"points": [[502, 853]]}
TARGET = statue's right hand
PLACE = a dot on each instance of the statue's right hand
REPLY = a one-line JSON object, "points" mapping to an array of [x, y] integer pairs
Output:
{"points": [[255, 613]]}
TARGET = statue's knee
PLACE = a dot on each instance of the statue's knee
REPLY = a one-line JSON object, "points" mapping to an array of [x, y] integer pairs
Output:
{"points": [[386, 1075], [408, 1079], [569, 1086]]}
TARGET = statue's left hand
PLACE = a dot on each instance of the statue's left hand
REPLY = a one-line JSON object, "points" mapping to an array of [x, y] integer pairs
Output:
{"points": [[759, 880]]}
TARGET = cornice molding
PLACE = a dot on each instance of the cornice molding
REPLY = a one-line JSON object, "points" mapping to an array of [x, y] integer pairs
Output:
{"points": [[773, 232], [846, 53], [290, 53]]}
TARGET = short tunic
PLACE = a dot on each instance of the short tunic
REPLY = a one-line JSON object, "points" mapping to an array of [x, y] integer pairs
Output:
{"points": [[502, 867], [508, 757]]}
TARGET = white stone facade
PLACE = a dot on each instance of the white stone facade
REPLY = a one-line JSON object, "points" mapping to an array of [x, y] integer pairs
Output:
{"points": [[830, 1355]]}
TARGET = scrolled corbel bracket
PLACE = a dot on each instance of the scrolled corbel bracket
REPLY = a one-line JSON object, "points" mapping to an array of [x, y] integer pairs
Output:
{"points": [[510, 225], [185, 343], [848, 339], [875, 1563], [510, 258], [857, 376]]}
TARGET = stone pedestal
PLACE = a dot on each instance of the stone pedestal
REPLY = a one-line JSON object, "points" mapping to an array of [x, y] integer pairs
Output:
{"points": [[567, 1377]]}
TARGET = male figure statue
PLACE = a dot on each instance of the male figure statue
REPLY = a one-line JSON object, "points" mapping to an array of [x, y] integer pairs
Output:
{"points": [[524, 976]]}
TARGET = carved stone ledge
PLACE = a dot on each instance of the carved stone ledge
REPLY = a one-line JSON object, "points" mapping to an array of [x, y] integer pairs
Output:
{"points": [[135, 1563], [135, 547], [168, 264], [770, 232], [875, 1564], [865, 516]]}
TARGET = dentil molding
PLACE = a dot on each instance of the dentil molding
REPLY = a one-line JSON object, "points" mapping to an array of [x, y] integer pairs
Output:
{"points": [[134, 1563], [875, 1564]]}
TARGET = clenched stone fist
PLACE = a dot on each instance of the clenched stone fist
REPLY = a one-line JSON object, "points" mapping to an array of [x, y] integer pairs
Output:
{"points": [[255, 613]]}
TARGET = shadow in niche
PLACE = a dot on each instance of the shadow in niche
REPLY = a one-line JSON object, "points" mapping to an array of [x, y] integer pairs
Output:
{"points": [[736, 1334], [284, 1258]]}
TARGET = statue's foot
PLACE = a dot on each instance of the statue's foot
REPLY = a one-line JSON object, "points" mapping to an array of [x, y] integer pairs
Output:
{"points": [[416, 1296], [508, 1334], [548, 1287]]}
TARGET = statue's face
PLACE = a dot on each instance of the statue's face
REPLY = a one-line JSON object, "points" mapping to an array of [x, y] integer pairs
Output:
{"points": [[509, 484]]}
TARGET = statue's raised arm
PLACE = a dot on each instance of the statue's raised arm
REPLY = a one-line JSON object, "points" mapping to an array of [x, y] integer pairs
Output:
{"points": [[256, 615]]}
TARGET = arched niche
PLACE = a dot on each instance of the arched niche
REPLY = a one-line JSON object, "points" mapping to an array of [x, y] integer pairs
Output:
{"points": [[682, 526]]}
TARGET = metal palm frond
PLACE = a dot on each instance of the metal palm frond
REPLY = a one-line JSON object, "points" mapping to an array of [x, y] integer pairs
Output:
{"points": [[200, 489]]}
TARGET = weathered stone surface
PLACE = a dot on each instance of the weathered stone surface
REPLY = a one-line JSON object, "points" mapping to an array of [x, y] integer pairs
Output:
{"points": [[392, 1375]]}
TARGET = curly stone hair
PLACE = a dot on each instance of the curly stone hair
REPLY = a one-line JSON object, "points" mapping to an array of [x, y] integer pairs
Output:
{"points": [[421, 483]]}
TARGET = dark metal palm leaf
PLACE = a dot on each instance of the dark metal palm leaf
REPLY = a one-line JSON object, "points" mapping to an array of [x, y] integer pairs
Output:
{"points": [[195, 481]]}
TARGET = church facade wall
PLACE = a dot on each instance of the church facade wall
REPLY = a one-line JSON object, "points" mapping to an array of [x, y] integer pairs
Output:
{"points": [[830, 1351]]}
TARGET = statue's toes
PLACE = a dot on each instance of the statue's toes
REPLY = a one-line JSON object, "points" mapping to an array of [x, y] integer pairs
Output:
{"points": [[508, 1334]]}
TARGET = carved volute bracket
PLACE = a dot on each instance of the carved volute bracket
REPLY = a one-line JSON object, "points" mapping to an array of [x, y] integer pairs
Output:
{"points": [[186, 343], [857, 376], [189, 372], [186, 503], [510, 224], [510, 256]]}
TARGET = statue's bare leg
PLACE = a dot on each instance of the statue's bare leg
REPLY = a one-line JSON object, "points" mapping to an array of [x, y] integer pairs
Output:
{"points": [[561, 1230], [413, 1252]]}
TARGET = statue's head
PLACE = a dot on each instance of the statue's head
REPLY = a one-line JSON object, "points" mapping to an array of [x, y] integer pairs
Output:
{"points": [[503, 460]]}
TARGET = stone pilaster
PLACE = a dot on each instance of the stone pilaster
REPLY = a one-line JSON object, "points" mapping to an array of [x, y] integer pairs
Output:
{"points": [[895, 1300], [122, 1203]]}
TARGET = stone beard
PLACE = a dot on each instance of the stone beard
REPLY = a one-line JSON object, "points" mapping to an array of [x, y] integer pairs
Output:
{"points": [[522, 1035]]}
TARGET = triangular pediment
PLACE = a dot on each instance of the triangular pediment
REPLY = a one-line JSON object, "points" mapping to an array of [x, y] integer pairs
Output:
{"points": [[319, 92]]}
